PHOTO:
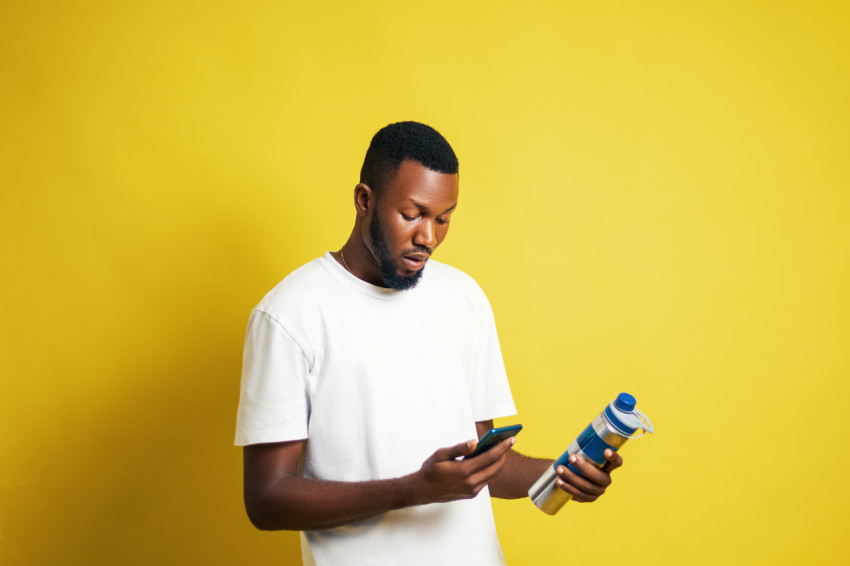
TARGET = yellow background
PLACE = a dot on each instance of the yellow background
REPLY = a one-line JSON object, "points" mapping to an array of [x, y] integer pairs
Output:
{"points": [[654, 195]]}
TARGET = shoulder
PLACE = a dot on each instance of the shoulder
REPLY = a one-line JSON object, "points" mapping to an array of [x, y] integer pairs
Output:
{"points": [[304, 286]]}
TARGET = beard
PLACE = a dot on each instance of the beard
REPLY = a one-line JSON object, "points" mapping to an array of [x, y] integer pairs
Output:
{"points": [[389, 271]]}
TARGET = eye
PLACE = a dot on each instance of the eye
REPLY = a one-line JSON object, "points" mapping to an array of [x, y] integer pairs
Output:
{"points": [[408, 218], [442, 220]]}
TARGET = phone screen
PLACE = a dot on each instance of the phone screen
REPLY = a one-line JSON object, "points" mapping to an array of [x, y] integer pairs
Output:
{"points": [[493, 437]]}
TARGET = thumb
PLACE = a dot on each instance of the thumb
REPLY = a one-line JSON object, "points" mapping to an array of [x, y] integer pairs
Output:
{"points": [[455, 451]]}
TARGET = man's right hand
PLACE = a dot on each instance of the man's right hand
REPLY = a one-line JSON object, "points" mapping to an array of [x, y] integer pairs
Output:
{"points": [[443, 477], [276, 497]]}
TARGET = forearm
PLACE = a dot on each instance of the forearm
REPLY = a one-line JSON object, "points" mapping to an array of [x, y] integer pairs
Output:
{"points": [[277, 498], [296, 503], [518, 475]]}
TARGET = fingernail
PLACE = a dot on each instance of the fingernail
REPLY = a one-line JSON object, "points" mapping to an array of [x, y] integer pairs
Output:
{"points": [[573, 459], [561, 469], [470, 443], [513, 441]]}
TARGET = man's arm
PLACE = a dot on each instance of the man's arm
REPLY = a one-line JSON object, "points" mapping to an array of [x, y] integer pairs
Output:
{"points": [[520, 472], [276, 498]]}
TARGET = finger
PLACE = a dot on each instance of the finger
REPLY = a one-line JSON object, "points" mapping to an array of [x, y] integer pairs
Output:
{"points": [[614, 460], [578, 488], [490, 464], [455, 451], [585, 484], [576, 493], [487, 458], [485, 474], [590, 472]]}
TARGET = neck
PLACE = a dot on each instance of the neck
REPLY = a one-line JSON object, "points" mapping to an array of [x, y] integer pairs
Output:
{"points": [[356, 257]]}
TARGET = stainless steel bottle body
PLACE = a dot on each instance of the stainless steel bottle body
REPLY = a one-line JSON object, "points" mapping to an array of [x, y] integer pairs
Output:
{"points": [[599, 435]]}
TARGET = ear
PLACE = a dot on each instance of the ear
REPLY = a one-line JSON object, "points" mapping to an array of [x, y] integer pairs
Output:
{"points": [[364, 200]]}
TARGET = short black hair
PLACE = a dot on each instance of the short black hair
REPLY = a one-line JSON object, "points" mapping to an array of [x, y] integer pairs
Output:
{"points": [[405, 140]]}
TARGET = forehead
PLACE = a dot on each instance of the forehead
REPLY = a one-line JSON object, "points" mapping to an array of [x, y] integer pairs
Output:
{"points": [[415, 182]]}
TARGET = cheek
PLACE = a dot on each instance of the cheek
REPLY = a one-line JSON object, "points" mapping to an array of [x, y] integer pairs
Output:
{"points": [[400, 234], [442, 230]]}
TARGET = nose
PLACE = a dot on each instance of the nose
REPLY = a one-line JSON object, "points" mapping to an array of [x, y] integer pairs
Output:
{"points": [[425, 235]]}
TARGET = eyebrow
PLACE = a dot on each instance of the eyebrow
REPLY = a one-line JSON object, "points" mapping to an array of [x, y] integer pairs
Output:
{"points": [[423, 208]]}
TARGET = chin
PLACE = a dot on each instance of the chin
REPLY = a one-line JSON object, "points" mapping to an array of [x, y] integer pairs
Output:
{"points": [[394, 279]]}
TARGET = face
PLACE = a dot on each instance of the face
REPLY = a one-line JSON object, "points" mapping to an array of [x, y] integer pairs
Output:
{"points": [[411, 218]]}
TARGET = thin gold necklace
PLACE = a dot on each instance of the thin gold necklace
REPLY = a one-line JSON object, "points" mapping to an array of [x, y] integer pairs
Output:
{"points": [[342, 255]]}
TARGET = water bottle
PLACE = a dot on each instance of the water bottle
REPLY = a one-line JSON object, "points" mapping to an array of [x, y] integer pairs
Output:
{"points": [[618, 422]]}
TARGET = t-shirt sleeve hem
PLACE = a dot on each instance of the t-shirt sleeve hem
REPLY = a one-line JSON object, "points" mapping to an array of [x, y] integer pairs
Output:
{"points": [[495, 412], [265, 437]]}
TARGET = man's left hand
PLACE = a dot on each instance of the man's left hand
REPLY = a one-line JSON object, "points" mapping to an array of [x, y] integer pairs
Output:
{"points": [[595, 481]]}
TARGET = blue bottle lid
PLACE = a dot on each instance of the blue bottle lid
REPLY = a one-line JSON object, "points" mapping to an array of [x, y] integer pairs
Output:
{"points": [[625, 402]]}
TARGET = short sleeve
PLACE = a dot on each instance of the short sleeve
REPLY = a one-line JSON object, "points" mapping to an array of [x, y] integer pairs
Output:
{"points": [[492, 393], [274, 401]]}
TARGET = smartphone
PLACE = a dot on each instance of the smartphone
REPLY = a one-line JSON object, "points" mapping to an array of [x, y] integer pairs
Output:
{"points": [[493, 437]]}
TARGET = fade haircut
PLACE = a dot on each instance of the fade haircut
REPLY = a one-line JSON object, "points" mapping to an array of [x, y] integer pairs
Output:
{"points": [[405, 140]]}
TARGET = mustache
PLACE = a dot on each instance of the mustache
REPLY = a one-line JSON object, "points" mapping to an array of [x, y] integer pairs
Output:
{"points": [[417, 250]]}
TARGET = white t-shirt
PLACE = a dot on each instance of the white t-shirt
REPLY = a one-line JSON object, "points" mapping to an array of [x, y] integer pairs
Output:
{"points": [[376, 380]]}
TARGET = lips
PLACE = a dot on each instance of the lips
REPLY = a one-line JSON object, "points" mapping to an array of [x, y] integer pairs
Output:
{"points": [[415, 262]]}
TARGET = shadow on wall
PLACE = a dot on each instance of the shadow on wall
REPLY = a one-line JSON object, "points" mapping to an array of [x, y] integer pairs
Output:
{"points": [[141, 468]]}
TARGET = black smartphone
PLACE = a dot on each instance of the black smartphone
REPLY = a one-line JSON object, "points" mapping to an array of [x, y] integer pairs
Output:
{"points": [[493, 437]]}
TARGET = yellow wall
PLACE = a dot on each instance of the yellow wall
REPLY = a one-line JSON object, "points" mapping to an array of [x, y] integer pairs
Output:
{"points": [[654, 196]]}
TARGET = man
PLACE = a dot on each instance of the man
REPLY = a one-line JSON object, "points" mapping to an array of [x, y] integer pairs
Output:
{"points": [[362, 364]]}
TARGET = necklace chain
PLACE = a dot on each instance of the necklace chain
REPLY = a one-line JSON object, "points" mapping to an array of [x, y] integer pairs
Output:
{"points": [[342, 255]]}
